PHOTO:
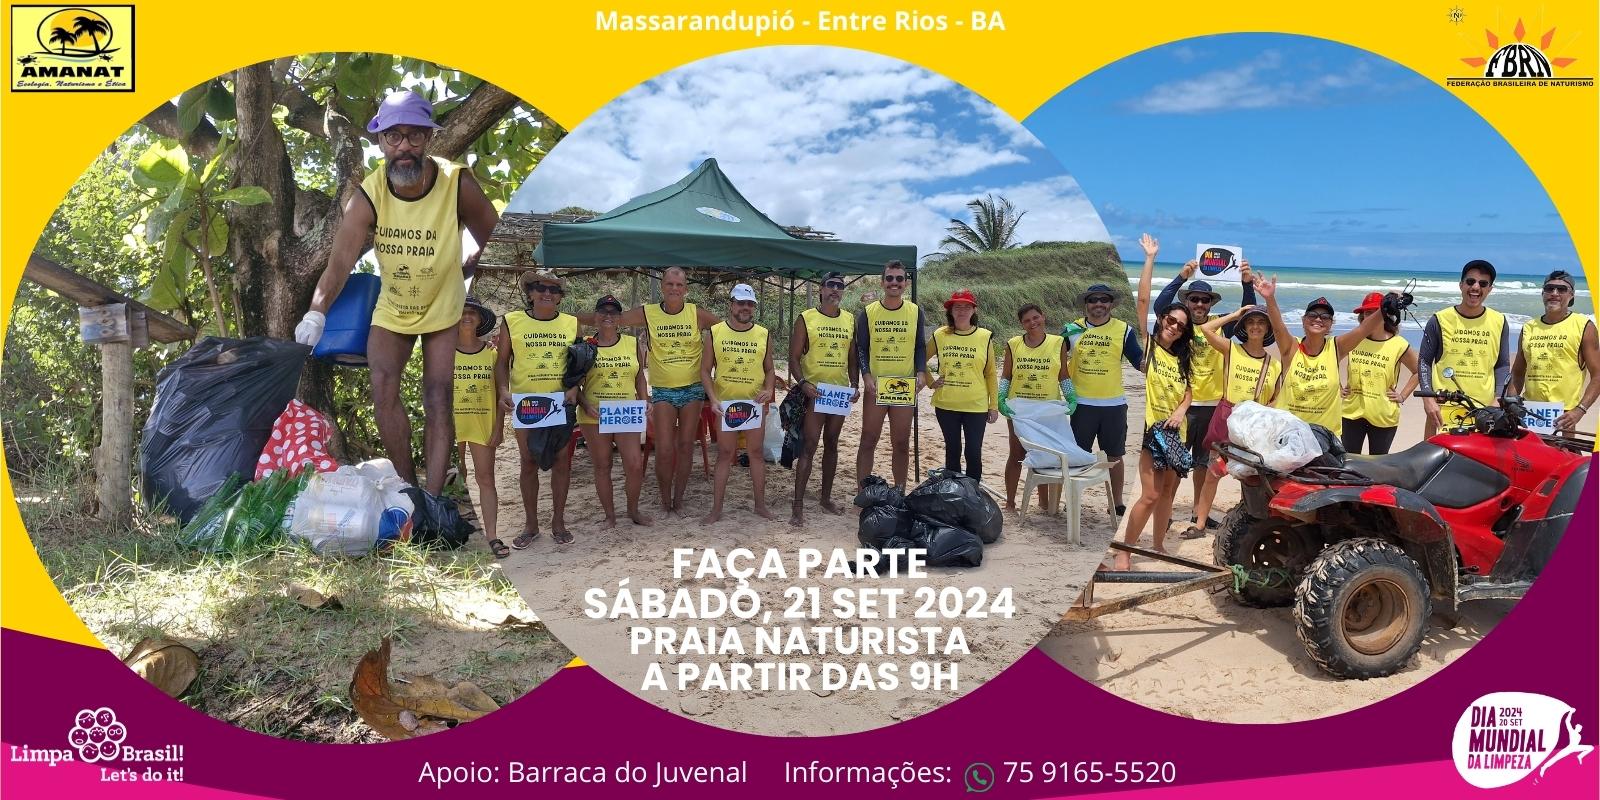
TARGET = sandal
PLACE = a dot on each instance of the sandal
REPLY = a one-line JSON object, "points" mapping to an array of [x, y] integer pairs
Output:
{"points": [[499, 548], [524, 540], [1192, 532], [562, 537]]}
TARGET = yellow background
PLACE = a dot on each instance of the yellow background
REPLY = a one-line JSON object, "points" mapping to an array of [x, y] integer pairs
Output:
{"points": [[562, 65]]}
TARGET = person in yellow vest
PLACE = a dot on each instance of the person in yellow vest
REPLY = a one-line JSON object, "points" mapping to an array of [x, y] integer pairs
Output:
{"points": [[966, 391], [1168, 372], [1473, 341], [673, 329], [1202, 301], [822, 350], [533, 358], [1311, 389], [414, 207], [1248, 374], [894, 363], [1099, 344], [1372, 392], [479, 418], [736, 368], [1553, 353], [617, 374], [1035, 369]]}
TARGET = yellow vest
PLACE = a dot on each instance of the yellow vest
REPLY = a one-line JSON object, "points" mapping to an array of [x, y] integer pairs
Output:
{"points": [[1096, 363], [1205, 372], [1311, 386], [1470, 347], [418, 245], [612, 376], [673, 356], [1244, 372], [893, 335], [741, 371], [1036, 371], [475, 398], [828, 343], [966, 363], [1374, 369], [1163, 387], [1554, 367], [539, 350]]}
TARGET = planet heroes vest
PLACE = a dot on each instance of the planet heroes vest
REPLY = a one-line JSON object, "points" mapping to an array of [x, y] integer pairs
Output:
{"points": [[418, 246]]}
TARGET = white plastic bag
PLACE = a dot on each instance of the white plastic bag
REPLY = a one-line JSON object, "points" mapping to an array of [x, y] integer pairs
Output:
{"points": [[771, 435], [1045, 422], [1284, 441], [338, 513]]}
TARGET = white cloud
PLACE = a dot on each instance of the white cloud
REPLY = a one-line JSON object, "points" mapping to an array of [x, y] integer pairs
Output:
{"points": [[1253, 83], [842, 140]]}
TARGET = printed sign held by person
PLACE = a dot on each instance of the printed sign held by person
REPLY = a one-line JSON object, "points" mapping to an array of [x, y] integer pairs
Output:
{"points": [[1541, 417], [1219, 262], [833, 400], [897, 391], [740, 415], [622, 416], [538, 410]]}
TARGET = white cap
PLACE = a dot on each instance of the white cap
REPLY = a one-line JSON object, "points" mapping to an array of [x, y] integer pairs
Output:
{"points": [[744, 292]]}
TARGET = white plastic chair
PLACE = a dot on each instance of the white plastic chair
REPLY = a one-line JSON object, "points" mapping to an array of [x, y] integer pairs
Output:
{"points": [[1074, 479]]}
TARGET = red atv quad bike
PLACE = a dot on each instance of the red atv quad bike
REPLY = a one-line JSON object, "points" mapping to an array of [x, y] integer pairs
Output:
{"points": [[1366, 548]]}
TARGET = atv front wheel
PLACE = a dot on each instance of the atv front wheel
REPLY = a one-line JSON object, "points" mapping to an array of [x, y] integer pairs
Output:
{"points": [[1362, 609], [1272, 553]]}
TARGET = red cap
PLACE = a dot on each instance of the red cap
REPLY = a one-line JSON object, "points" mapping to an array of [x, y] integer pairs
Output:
{"points": [[1373, 302], [961, 296]]}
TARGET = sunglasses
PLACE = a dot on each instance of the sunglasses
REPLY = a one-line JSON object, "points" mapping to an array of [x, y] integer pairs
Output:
{"points": [[895, 278], [393, 138], [833, 284], [1174, 321], [1099, 298], [1201, 301], [1318, 316], [1471, 282], [543, 288], [1557, 288]]}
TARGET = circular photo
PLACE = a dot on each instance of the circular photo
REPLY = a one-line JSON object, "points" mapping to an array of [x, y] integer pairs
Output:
{"points": [[784, 363], [227, 453], [1378, 378]]}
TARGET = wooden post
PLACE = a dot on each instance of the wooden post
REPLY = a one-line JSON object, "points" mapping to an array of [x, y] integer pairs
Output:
{"points": [[114, 457]]}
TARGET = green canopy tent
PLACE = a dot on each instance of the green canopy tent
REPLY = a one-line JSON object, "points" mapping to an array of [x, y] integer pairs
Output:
{"points": [[703, 222]]}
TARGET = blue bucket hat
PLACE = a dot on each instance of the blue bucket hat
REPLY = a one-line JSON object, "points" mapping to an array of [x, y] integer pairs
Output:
{"points": [[1201, 287], [403, 108]]}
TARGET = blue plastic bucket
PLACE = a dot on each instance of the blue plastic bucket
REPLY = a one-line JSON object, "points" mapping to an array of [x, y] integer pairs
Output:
{"points": [[344, 340]]}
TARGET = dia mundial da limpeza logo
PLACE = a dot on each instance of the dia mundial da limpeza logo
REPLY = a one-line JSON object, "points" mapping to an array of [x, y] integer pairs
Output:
{"points": [[98, 737], [1504, 737]]}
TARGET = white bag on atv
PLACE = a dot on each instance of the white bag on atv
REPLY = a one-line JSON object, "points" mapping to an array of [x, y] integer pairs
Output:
{"points": [[1046, 422], [1284, 442]]}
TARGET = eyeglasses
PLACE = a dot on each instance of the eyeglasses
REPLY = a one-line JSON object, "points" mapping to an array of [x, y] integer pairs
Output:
{"points": [[833, 284], [1557, 288], [416, 138], [1173, 321], [1201, 301], [543, 288], [1471, 282], [1318, 316], [1100, 298], [895, 278]]}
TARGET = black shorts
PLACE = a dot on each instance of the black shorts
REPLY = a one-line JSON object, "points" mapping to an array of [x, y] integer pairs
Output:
{"points": [[1108, 424], [1199, 423]]}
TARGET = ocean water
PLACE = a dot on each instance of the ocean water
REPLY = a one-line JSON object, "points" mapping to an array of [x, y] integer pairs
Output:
{"points": [[1516, 296]]}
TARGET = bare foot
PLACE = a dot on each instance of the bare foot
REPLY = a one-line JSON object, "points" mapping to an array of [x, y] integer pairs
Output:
{"points": [[710, 518], [765, 513], [831, 507], [1122, 563], [797, 517], [611, 522], [640, 518], [1011, 505]]}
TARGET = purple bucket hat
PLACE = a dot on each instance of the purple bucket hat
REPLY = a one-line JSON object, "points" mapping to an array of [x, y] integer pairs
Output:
{"points": [[403, 108]]}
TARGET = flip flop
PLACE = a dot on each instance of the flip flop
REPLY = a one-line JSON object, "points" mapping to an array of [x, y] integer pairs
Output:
{"points": [[524, 540], [562, 537], [1192, 532], [499, 548]]}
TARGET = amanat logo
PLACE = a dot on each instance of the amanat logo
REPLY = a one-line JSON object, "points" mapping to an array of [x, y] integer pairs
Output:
{"points": [[534, 409], [72, 48], [739, 414], [1520, 60]]}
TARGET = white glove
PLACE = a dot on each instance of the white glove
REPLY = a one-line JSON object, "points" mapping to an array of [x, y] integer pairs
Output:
{"points": [[309, 331]]}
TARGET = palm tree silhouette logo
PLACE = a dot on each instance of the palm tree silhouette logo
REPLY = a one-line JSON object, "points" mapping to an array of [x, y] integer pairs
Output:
{"points": [[64, 37], [63, 28], [93, 27]]}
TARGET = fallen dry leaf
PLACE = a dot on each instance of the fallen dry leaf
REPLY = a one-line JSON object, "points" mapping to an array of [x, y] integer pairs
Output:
{"points": [[166, 664], [311, 598], [408, 708]]}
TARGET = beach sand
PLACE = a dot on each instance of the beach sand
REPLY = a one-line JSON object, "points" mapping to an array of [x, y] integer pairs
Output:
{"points": [[1044, 571], [1202, 655]]}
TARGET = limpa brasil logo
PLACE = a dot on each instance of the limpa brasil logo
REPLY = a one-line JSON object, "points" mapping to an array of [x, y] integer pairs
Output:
{"points": [[1520, 61], [72, 48], [1505, 736], [98, 737]]}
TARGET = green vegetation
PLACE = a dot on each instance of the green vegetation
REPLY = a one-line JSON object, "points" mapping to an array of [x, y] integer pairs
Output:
{"points": [[1051, 275], [993, 227]]}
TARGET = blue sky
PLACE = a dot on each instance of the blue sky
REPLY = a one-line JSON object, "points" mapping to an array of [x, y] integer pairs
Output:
{"points": [[869, 147], [1305, 153]]}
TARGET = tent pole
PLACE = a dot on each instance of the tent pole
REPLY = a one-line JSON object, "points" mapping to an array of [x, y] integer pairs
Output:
{"points": [[916, 408]]}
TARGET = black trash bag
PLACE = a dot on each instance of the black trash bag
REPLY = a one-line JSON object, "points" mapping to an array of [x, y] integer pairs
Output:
{"points": [[212, 416], [881, 523], [1333, 451], [792, 415], [943, 498], [580, 359], [984, 517], [876, 491], [948, 546], [545, 445], [436, 521]]}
